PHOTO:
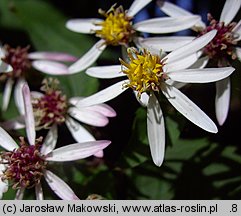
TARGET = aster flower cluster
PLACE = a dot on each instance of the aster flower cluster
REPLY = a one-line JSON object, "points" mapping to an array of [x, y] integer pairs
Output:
{"points": [[150, 67]]}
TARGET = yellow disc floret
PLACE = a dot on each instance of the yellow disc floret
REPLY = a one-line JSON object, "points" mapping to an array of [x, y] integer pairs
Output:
{"points": [[116, 28], [144, 70]]}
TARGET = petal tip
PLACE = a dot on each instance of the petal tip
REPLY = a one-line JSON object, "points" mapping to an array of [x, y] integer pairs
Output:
{"points": [[221, 120], [113, 114], [214, 130], [107, 142], [158, 162]]}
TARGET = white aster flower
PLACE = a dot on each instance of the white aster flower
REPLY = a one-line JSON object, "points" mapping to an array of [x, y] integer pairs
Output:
{"points": [[51, 108], [21, 61], [24, 165], [221, 50], [118, 29], [148, 75]]}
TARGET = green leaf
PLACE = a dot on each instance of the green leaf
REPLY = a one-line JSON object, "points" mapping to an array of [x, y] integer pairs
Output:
{"points": [[79, 84], [10, 194], [137, 150], [12, 111], [7, 17], [46, 28]]}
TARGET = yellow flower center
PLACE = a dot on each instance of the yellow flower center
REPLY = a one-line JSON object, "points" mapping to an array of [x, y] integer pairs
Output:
{"points": [[145, 71], [116, 28]]}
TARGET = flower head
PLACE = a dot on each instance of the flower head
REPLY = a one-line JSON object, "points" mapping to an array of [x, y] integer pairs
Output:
{"points": [[18, 59], [144, 70], [51, 108], [24, 165], [150, 74], [21, 61], [222, 48], [117, 28]]}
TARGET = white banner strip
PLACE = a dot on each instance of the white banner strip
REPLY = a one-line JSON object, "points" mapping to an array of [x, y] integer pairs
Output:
{"points": [[121, 207]]}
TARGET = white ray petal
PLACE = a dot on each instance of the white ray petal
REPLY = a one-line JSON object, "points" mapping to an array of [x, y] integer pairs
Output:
{"points": [[2, 52], [105, 72], [88, 58], [143, 100], [77, 151], [6, 141], [237, 31], [175, 11], [205, 75], [99, 154], [2, 168], [20, 194], [166, 44], [29, 117], [156, 130], [39, 192], [88, 116], [79, 133], [103, 109], [36, 94], [192, 47], [238, 53], [14, 124], [152, 49], [74, 100], [181, 63], [178, 85], [50, 67], [5, 68], [3, 188], [59, 187], [166, 24], [104, 95], [136, 6], [53, 56], [230, 9], [190, 110], [200, 63], [172, 9], [50, 140], [7, 93], [222, 100], [18, 95], [3, 184], [124, 54], [86, 26]]}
